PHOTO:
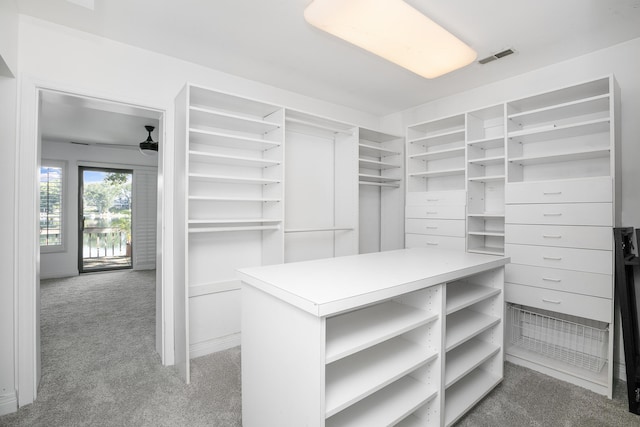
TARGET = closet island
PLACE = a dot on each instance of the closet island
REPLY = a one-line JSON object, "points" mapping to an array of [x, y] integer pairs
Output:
{"points": [[407, 337]]}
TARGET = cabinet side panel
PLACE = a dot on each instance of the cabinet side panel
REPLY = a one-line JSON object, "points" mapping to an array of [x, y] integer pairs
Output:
{"points": [[282, 363]]}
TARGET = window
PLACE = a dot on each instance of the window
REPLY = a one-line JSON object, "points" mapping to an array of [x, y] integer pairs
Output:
{"points": [[51, 205]]}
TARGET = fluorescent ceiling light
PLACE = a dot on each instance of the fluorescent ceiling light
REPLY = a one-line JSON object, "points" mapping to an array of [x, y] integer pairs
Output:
{"points": [[393, 30]]}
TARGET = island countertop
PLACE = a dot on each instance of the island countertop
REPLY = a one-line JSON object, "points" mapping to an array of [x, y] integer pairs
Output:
{"points": [[329, 286]]}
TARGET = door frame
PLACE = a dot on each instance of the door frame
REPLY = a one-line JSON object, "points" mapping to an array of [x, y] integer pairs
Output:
{"points": [[26, 243], [80, 214]]}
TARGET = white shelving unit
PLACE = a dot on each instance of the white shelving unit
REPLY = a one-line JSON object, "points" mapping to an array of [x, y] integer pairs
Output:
{"points": [[473, 341], [321, 213], [485, 180], [229, 160], [378, 343], [561, 204], [436, 201], [540, 184], [381, 191]]}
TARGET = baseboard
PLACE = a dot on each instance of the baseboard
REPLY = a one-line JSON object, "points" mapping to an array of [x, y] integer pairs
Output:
{"points": [[8, 403], [58, 275], [213, 345]]}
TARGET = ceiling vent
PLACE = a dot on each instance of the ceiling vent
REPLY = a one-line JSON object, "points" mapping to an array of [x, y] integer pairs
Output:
{"points": [[495, 56]]}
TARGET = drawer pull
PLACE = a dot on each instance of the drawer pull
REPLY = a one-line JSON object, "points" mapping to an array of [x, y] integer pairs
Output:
{"points": [[552, 258], [432, 244], [432, 212], [552, 193], [552, 236], [431, 227], [552, 214], [548, 279], [432, 200], [551, 301]]}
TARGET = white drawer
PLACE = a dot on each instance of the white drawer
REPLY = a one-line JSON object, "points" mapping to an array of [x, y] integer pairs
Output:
{"points": [[589, 260], [421, 198], [560, 235], [445, 242], [599, 214], [438, 227], [439, 212], [598, 189], [561, 302], [579, 282]]}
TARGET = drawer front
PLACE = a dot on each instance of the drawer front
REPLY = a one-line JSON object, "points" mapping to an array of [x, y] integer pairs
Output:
{"points": [[589, 260], [561, 302], [438, 212], [422, 198], [598, 214], [437, 227], [445, 242], [565, 191], [560, 235], [579, 282]]}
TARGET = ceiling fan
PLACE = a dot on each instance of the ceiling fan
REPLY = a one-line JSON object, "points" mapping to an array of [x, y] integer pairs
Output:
{"points": [[147, 147]]}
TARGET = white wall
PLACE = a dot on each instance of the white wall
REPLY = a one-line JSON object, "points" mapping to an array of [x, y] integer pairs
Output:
{"points": [[65, 264], [8, 98], [623, 61]]}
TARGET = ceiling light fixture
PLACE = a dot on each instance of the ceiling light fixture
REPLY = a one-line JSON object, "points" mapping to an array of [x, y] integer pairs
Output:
{"points": [[148, 147], [393, 30]]}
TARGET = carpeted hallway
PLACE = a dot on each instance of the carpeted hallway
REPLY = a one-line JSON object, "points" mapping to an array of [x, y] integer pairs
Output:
{"points": [[100, 369]]}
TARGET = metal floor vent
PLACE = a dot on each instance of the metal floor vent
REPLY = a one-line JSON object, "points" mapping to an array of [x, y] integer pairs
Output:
{"points": [[495, 56]]}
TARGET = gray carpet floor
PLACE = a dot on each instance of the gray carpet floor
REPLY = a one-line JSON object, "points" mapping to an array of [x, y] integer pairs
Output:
{"points": [[100, 368]]}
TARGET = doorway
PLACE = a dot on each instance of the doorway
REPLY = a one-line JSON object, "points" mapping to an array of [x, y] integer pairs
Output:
{"points": [[104, 219]]}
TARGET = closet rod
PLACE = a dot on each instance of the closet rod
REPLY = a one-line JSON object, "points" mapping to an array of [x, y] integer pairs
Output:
{"points": [[306, 230]]}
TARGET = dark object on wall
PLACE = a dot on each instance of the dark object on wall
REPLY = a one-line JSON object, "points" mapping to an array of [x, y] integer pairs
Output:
{"points": [[626, 263]]}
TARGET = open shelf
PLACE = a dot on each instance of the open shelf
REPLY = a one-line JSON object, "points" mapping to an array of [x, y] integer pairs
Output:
{"points": [[222, 139], [374, 164], [377, 178], [556, 112], [462, 294], [411, 421], [385, 407], [232, 179], [439, 139], [467, 392], [487, 143], [466, 324], [231, 199], [204, 117], [551, 132], [317, 229], [465, 358], [373, 151], [353, 378], [487, 161], [439, 154], [486, 215], [492, 178], [487, 250], [431, 174], [205, 157], [594, 153], [234, 228], [486, 233], [379, 184], [233, 221], [351, 332]]}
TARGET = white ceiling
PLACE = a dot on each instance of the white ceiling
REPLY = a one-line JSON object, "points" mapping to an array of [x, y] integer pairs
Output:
{"points": [[269, 41]]}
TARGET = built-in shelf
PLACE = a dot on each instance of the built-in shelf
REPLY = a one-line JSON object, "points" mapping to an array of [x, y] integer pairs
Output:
{"points": [[377, 178], [317, 229], [232, 199], [486, 233], [487, 143], [439, 154], [487, 250], [486, 215], [374, 164], [233, 221], [233, 228], [385, 407], [487, 161], [206, 118], [379, 184], [440, 138], [355, 331], [562, 157], [551, 132], [467, 392], [202, 156], [232, 179], [431, 174], [581, 107], [464, 325], [353, 378], [461, 295], [465, 358], [492, 178], [222, 139], [373, 151]]}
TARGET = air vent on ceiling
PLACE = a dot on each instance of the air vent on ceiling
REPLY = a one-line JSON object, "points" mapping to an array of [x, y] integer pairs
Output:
{"points": [[495, 56]]}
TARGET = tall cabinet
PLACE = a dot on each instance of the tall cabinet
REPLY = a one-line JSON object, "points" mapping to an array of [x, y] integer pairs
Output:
{"points": [[535, 179]]}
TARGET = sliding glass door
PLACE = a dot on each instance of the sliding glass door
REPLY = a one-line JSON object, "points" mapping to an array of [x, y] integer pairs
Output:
{"points": [[104, 219]]}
